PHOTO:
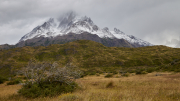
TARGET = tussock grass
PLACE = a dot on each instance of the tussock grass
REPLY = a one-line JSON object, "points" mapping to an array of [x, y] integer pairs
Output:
{"points": [[110, 85], [94, 88]]}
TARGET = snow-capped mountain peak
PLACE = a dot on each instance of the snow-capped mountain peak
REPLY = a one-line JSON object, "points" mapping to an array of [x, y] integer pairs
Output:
{"points": [[72, 23], [118, 31]]}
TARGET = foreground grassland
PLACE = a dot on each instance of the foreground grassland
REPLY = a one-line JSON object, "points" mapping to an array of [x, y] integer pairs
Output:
{"points": [[148, 87]]}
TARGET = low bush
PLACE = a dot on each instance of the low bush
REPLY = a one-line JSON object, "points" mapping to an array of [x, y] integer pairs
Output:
{"points": [[108, 75], [2, 80], [131, 71], [150, 70], [126, 74], [97, 74], [46, 79], [115, 72], [46, 89], [138, 72], [141, 72], [92, 73], [110, 84], [84, 73], [144, 72], [13, 82]]}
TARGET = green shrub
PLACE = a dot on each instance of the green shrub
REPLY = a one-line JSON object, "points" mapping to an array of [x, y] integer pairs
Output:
{"points": [[131, 71], [46, 89], [13, 82], [115, 72], [141, 72], [108, 75], [97, 74], [48, 79], [92, 73], [150, 70], [2, 80], [144, 72], [84, 74], [126, 74], [138, 72]]}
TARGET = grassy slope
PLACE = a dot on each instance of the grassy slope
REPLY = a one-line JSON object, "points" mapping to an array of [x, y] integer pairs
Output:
{"points": [[93, 56]]}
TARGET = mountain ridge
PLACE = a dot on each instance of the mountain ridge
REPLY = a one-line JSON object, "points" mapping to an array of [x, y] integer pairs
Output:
{"points": [[45, 41], [71, 23]]}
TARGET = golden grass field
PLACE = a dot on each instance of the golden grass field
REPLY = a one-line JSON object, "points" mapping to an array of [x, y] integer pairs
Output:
{"points": [[149, 87]]}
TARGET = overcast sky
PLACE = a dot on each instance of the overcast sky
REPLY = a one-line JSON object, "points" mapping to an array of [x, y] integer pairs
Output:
{"points": [[154, 21]]}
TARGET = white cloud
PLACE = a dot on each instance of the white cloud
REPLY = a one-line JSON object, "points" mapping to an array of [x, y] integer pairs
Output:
{"points": [[154, 20]]}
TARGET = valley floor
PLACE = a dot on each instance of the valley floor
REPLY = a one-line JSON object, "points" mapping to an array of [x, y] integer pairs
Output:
{"points": [[149, 87]]}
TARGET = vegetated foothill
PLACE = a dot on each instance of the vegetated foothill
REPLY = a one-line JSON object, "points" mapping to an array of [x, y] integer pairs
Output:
{"points": [[93, 57]]}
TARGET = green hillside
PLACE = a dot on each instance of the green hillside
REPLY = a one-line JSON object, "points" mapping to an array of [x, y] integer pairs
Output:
{"points": [[93, 57]]}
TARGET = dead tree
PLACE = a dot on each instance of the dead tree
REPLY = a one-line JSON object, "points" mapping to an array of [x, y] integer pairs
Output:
{"points": [[38, 72]]}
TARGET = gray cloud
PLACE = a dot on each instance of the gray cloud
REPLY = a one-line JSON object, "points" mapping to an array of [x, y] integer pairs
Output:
{"points": [[152, 20]]}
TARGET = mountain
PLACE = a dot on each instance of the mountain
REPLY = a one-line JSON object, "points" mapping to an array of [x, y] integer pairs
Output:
{"points": [[7, 46], [45, 41], [70, 24]]}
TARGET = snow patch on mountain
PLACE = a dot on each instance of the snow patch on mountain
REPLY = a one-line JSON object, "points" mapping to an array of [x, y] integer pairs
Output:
{"points": [[71, 23]]}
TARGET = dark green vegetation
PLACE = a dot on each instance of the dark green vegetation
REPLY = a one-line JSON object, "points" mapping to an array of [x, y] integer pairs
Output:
{"points": [[108, 75], [2, 79], [93, 57], [46, 89], [15, 81], [46, 79]]}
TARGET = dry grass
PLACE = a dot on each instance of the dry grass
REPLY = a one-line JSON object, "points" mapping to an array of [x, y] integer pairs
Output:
{"points": [[8, 90], [94, 88]]}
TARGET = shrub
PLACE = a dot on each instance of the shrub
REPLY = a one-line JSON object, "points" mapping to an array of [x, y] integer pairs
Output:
{"points": [[46, 89], [108, 75], [150, 70], [138, 72], [118, 76], [46, 79], [131, 71], [115, 72], [126, 74], [2, 80], [13, 82], [37, 72], [144, 72], [110, 84], [97, 74], [92, 73], [141, 72]]}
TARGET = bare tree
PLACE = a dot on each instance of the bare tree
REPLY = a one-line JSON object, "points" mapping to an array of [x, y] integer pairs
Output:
{"points": [[50, 72]]}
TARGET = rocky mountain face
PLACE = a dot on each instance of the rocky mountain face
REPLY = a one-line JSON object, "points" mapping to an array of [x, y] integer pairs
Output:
{"points": [[45, 41], [7, 46], [70, 27]]}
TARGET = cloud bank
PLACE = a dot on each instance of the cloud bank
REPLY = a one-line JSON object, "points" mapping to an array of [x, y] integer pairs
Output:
{"points": [[155, 21]]}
